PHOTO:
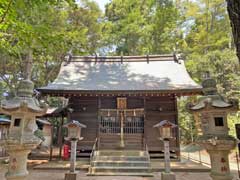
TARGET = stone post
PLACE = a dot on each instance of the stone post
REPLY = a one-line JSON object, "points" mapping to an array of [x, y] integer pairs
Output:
{"points": [[73, 156], [167, 156], [21, 139], [212, 110]]}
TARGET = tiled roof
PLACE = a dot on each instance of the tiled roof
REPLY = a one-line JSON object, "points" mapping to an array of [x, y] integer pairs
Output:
{"points": [[123, 73]]}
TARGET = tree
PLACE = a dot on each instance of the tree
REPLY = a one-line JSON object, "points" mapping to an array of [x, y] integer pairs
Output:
{"points": [[141, 27], [41, 33], [208, 26], [233, 7]]}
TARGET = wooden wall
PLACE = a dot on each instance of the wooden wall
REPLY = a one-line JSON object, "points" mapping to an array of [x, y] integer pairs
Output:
{"points": [[156, 109], [86, 112]]}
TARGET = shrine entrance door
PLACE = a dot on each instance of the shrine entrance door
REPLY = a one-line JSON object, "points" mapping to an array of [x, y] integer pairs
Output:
{"points": [[121, 129]]}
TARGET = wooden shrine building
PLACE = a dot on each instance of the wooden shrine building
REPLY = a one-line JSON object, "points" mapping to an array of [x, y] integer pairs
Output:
{"points": [[121, 98]]}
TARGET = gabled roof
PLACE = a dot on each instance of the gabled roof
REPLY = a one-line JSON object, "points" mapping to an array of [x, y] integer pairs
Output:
{"points": [[161, 73]]}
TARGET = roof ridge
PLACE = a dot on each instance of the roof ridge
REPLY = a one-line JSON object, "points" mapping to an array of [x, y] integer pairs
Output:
{"points": [[140, 58]]}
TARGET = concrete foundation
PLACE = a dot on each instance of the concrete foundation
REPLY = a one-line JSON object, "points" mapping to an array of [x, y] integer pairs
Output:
{"points": [[168, 176], [70, 176]]}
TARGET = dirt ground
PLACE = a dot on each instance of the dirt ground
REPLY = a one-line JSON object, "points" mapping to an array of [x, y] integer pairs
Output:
{"points": [[40, 174], [59, 175]]}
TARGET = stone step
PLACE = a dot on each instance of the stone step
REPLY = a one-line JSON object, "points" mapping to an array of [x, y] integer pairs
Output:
{"points": [[117, 146], [161, 155], [110, 169], [121, 163], [120, 153], [121, 174], [120, 158]]}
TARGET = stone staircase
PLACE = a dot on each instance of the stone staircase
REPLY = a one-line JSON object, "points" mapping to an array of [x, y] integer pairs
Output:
{"points": [[120, 163]]}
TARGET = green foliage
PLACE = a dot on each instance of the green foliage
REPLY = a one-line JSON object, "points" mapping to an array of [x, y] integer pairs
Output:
{"points": [[222, 65], [39, 134], [43, 32], [141, 27], [187, 125]]}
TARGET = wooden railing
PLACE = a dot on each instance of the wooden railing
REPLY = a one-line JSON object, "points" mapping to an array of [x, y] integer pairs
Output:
{"points": [[95, 147]]}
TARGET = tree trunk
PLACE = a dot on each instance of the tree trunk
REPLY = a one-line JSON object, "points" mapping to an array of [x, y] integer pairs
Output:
{"points": [[234, 15], [29, 63]]}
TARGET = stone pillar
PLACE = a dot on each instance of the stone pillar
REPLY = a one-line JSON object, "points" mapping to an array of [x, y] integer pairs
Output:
{"points": [[221, 170], [167, 156], [73, 156], [17, 169], [167, 175], [219, 151]]}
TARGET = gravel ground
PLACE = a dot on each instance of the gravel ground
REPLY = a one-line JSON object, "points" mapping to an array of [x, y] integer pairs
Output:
{"points": [[59, 175]]}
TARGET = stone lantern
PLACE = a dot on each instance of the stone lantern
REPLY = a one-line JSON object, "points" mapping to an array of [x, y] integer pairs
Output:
{"points": [[166, 129], [74, 134], [211, 112], [23, 110]]}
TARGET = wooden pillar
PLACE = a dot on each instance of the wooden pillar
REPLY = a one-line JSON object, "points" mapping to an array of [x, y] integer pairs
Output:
{"points": [[60, 136], [178, 152], [51, 145], [98, 123], [144, 121]]}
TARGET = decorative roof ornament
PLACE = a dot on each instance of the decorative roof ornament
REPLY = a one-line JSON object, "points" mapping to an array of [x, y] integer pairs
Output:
{"points": [[24, 101], [212, 99], [209, 86]]}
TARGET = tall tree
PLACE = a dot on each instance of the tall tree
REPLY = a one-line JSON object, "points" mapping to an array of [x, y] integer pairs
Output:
{"points": [[208, 26], [41, 33], [234, 14], [141, 27]]}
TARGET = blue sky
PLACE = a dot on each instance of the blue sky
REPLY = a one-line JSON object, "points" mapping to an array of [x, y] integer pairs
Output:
{"points": [[102, 3]]}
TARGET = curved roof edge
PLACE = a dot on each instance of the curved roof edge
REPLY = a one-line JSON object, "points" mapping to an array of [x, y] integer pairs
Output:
{"points": [[123, 74]]}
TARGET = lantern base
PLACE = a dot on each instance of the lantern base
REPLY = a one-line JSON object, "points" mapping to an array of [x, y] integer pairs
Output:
{"points": [[70, 176], [168, 176]]}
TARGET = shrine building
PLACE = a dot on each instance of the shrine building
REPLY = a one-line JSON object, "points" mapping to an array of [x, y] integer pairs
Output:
{"points": [[121, 98]]}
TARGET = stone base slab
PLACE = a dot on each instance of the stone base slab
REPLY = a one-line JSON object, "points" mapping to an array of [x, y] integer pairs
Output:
{"points": [[168, 176], [70, 176], [222, 177]]}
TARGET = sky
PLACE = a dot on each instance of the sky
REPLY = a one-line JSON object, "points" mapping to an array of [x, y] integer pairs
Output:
{"points": [[102, 3]]}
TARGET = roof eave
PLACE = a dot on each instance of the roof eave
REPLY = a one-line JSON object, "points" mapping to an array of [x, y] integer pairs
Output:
{"points": [[59, 92]]}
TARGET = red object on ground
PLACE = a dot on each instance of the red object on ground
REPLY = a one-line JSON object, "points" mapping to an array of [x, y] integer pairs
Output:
{"points": [[66, 154]]}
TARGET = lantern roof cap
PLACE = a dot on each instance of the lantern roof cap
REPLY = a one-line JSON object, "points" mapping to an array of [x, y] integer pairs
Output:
{"points": [[23, 101], [75, 123], [165, 123], [212, 98]]}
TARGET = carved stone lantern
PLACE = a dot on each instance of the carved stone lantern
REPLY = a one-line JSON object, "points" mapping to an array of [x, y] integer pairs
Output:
{"points": [[23, 110], [166, 129], [74, 134], [211, 112]]}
